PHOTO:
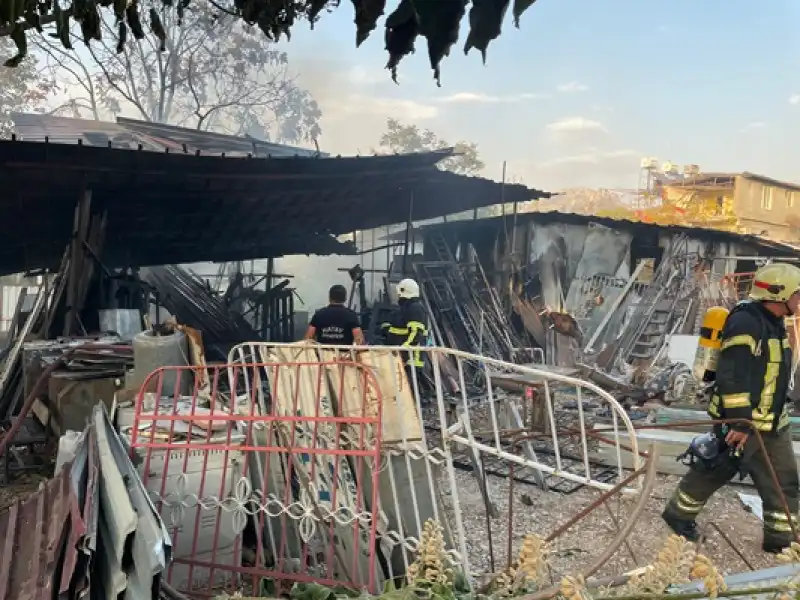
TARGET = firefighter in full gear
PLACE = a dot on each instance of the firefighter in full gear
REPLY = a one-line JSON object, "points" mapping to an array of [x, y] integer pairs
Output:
{"points": [[408, 326], [752, 382]]}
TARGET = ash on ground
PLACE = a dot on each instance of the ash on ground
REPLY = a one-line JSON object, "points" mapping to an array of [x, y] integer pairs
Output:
{"points": [[539, 512]]}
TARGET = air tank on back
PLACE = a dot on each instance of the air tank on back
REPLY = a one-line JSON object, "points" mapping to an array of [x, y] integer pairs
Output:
{"points": [[708, 347]]}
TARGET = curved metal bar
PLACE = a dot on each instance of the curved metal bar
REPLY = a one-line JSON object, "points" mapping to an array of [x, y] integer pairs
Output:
{"points": [[623, 532]]}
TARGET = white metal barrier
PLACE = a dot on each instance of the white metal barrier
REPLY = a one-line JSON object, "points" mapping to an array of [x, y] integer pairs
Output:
{"points": [[463, 411]]}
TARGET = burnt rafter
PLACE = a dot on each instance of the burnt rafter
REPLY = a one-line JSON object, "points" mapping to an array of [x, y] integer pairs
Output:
{"points": [[438, 21], [173, 208]]}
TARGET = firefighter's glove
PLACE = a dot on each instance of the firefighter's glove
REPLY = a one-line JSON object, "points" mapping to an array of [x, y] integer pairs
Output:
{"points": [[736, 440]]}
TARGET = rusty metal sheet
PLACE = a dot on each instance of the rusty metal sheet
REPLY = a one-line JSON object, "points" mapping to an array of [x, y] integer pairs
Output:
{"points": [[83, 534], [34, 534]]}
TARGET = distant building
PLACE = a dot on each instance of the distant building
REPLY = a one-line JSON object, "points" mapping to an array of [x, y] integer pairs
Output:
{"points": [[742, 202]]}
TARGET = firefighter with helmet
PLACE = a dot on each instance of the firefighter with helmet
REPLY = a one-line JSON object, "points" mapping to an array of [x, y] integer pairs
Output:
{"points": [[752, 382], [408, 325]]}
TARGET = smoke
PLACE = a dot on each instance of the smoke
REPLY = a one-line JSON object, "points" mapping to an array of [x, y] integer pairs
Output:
{"points": [[356, 101]]}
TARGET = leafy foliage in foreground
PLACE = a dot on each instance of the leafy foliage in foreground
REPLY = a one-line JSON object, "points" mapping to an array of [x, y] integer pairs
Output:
{"points": [[433, 577], [438, 21]]}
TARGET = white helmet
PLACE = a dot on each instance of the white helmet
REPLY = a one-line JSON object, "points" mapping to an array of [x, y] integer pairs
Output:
{"points": [[408, 289]]}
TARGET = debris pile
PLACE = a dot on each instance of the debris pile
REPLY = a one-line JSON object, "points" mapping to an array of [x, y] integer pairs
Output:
{"points": [[620, 301], [91, 530], [465, 309], [190, 300]]}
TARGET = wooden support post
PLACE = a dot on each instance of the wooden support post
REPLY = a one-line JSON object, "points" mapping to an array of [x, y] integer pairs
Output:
{"points": [[80, 231]]}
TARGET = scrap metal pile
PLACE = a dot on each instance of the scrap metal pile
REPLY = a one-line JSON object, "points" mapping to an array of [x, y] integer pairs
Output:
{"points": [[628, 325], [191, 301], [91, 530], [465, 309], [621, 332]]}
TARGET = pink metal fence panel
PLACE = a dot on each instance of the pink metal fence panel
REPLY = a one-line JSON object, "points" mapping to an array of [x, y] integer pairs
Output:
{"points": [[264, 485]]}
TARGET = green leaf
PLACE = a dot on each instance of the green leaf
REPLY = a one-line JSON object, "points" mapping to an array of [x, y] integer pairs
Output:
{"points": [[311, 591], [268, 588], [406, 593], [443, 592], [461, 583], [343, 592]]}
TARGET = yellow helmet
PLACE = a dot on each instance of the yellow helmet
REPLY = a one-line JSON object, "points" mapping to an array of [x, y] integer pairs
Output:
{"points": [[775, 283]]}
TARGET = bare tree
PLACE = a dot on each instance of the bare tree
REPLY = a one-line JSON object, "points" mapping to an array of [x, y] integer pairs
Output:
{"points": [[21, 88], [207, 73]]}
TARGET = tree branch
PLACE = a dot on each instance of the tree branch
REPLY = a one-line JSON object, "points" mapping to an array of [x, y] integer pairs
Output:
{"points": [[132, 98]]}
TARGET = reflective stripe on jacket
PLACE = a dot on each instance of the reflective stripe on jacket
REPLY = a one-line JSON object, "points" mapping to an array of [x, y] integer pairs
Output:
{"points": [[753, 370], [407, 326]]}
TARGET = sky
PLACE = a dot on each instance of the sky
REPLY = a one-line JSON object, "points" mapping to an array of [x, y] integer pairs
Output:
{"points": [[582, 91]]}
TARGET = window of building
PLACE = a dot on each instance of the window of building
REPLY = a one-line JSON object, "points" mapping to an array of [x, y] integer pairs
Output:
{"points": [[790, 198], [766, 198]]}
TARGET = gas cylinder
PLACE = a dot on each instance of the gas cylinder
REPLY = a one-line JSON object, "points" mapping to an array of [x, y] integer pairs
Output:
{"points": [[705, 361]]}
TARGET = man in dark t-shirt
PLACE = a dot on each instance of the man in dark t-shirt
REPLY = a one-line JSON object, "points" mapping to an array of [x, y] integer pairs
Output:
{"points": [[336, 324]]}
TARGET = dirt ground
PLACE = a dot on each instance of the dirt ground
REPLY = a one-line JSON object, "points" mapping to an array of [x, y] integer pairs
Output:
{"points": [[20, 488], [535, 511]]}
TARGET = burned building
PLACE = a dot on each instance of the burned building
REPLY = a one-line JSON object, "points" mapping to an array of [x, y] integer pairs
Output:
{"points": [[615, 289]]}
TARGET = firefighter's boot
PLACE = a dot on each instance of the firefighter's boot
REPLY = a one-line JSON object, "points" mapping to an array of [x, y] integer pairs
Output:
{"points": [[774, 547], [682, 527]]}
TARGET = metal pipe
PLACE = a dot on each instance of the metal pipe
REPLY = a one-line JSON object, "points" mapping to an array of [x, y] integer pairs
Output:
{"points": [[781, 258], [584, 512], [372, 268], [513, 232], [346, 270], [510, 529], [732, 545], [388, 256], [503, 192], [409, 224], [488, 511]]}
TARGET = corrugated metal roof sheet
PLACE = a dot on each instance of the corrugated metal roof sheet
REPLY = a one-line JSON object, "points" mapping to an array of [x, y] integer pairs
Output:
{"points": [[49, 542], [548, 217], [176, 208], [748, 579], [155, 137], [35, 533]]}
